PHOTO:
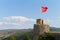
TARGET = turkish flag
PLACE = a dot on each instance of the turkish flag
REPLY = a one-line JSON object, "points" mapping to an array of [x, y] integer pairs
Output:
{"points": [[44, 9]]}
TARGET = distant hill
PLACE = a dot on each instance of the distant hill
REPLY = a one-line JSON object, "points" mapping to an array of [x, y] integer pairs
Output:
{"points": [[8, 31], [19, 35], [54, 29]]}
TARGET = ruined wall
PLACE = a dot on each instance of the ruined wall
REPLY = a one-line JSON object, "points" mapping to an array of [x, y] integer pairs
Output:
{"points": [[40, 28]]}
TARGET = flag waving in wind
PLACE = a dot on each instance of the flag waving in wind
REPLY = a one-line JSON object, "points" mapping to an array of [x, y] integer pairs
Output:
{"points": [[44, 8]]}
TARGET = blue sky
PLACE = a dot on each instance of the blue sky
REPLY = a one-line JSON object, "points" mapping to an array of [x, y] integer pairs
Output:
{"points": [[28, 9]]}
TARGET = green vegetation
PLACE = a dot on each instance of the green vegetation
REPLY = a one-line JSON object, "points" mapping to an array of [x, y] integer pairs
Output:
{"points": [[47, 37], [29, 36], [17, 36], [40, 37], [13, 38]]}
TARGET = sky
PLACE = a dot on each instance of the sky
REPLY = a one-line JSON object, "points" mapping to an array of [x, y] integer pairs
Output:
{"points": [[22, 14]]}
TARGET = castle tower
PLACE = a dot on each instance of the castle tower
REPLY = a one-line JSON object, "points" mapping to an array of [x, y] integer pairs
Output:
{"points": [[40, 21], [40, 28]]}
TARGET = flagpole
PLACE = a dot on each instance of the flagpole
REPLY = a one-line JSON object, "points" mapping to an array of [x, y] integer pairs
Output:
{"points": [[43, 11]]}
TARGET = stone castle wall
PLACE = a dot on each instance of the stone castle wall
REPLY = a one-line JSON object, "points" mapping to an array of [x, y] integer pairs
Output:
{"points": [[40, 28]]}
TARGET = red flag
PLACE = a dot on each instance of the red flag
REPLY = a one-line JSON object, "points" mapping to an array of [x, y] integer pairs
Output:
{"points": [[44, 9]]}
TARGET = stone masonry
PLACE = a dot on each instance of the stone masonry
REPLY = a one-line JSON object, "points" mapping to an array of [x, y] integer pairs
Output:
{"points": [[40, 28]]}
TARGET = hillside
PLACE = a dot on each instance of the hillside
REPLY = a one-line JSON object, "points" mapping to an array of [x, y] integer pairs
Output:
{"points": [[20, 33], [8, 31], [54, 29]]}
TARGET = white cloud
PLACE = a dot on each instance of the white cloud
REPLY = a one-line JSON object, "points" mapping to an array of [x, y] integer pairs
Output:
{"points": [[16, 22], [18, 18], [53, 22], [21, 22]]}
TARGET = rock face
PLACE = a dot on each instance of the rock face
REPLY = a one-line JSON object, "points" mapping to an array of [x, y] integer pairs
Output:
{"points": [[40, 28]]}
